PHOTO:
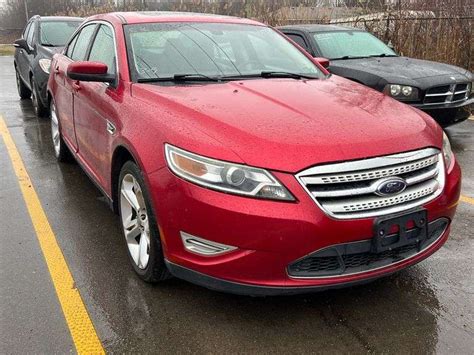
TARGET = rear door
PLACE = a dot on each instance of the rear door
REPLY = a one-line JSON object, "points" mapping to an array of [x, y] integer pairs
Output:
{"points": [[20, 57], [24, 56], [94, 115], [66, 89]]}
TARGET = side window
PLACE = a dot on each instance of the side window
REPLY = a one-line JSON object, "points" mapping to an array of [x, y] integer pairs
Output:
{"points": [[71, 46], [82, 42], [31, 32], [103, 49], [299, 40]]}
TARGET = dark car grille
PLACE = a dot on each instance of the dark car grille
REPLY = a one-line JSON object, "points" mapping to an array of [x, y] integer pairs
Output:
{"points": [[356, 257], [447, 93]]}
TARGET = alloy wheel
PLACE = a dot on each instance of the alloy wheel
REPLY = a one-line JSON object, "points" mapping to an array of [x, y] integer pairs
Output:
{"points": [[135, 220], [18, 82], [55, 135], [34, 96]]}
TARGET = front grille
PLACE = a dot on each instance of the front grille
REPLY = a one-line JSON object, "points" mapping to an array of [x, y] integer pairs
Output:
{"points": [[357, 257], [350, 189], [447, 93]]}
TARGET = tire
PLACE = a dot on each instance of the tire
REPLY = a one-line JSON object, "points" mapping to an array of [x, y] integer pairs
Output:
{"points": [[139, 226], [23, 90], [61, 151], [40, 109]]}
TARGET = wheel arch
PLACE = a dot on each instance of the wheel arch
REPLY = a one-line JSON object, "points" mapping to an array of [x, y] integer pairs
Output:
{"points": [[121, 155]]}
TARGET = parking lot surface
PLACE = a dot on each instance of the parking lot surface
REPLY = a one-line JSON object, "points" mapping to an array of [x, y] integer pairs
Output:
{"points": [[427, 308]]}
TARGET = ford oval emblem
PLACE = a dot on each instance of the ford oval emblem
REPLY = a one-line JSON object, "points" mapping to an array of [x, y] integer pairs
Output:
{"points": [[390, 186]]}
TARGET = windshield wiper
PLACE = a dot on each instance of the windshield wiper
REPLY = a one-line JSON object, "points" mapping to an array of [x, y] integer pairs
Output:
{"points": [[181, 77], [284, 74], [195, 77], [364, 56], [349, 57], [382, 55]]}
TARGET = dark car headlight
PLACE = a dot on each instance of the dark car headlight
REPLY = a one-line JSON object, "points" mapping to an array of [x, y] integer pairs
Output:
{"points": [[225, 176], [45, 64], [447, 152], [402, 92]]}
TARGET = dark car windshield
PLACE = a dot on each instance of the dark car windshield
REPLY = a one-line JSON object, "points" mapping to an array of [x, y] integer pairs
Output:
{"points": [[56, 33], [350, 44], [212, 50]]}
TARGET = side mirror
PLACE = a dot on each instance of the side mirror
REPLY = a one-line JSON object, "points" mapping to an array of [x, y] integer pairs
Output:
{"points": [[89, 71], [22, 44], [324, 62]]}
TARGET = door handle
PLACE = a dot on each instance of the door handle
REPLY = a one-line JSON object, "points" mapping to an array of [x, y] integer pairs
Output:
{"points": [[76, 86], [56, 70]]}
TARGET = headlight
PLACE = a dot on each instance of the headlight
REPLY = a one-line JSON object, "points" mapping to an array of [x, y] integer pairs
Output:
{"points": [[447, 152], [223, 176], [45, 64], [402, 92]]}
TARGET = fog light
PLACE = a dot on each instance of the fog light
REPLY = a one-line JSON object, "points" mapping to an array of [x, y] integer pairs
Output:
{"points": [[204, 247]]}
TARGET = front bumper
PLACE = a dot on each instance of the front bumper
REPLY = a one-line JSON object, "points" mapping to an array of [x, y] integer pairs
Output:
{"points": [[447, 114], [41, 80], [269, 235]]}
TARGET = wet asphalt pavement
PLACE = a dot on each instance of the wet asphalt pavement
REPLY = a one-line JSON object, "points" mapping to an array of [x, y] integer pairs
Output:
{"points": [[427, 308]]}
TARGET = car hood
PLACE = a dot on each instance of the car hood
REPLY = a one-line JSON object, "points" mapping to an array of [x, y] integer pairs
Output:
{"points": [[287, 124], [402, 69]]}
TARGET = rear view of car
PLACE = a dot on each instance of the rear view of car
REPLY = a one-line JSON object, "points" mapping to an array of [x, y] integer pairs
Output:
{"points": [[41, 39]]}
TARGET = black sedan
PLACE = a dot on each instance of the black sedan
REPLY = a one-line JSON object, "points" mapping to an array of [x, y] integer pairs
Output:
{"points": [[443, 91], [41, 39]]}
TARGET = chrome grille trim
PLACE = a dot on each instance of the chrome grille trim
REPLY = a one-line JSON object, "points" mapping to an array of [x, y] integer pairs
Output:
{"points": [[372, 174], [447, 96], [372, 187], [376, 202], [348, 190]]}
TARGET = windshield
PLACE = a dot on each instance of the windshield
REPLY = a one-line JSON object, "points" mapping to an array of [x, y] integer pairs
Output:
{"points": [[347, 44], [164, 50], [56, 33]]}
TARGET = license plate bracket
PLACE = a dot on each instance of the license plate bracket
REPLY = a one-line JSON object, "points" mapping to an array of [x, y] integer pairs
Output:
{"points": [[392, 232]]}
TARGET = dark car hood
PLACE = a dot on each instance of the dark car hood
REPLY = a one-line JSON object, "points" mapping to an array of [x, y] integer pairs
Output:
{"points": [[287, 124], [401, 70]]}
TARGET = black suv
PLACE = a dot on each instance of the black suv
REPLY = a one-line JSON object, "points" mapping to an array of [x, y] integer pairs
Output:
{"points": [[41, 39], [443, 91]]}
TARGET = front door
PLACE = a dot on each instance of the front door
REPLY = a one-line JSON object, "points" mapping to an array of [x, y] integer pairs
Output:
{"points": [[94, 110]]}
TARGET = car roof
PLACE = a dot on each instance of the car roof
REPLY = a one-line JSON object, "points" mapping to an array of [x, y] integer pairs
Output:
{"points": [[57, 18], [169, 16], [318, 28]]}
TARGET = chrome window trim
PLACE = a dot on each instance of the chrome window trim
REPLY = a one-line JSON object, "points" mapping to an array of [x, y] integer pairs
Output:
{"points": [[371, 163], [108, 24], [96, 22]]}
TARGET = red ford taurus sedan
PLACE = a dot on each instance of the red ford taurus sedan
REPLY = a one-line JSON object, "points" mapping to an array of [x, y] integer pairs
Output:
{"points": [[239, 163]]}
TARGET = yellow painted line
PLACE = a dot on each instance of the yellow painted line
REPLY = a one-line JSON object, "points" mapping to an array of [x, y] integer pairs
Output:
{"points": [[80, 325], [466, 199]]}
